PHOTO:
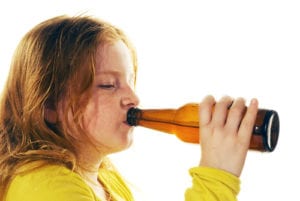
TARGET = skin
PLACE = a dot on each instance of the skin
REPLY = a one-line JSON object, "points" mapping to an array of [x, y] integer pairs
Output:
{"points": [[225, 136], [105, 115], [112, 96]]}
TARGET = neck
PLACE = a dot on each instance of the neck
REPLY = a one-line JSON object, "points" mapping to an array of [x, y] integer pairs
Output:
{"points": [[89, 161], [88, 169]]}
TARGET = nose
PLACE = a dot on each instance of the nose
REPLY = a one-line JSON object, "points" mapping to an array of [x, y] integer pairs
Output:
{"points": [[130, 99]]}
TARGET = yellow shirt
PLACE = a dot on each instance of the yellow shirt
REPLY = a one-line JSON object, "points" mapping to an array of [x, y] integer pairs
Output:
{"points": [[57, 183], [211, 184]]}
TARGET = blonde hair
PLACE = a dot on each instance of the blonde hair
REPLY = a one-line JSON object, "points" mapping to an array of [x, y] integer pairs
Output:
{"points": [[55, 59]]}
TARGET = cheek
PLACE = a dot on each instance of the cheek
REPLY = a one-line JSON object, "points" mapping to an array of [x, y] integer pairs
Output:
{"points": [[97, 116], [92, 116]]}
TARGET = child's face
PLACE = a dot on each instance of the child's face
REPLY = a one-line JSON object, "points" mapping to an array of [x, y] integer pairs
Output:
{"points": [[112, 96]]}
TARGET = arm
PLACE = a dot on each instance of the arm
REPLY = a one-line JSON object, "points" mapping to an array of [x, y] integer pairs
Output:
{"points": [[225, 139], [211, 184]]}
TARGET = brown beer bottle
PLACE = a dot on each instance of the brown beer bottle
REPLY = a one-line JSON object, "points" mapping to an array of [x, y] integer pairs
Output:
{"points": [[184, 123]]}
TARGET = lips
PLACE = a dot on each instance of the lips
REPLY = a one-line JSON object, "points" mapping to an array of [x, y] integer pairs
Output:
{"points": [[125, 122]]}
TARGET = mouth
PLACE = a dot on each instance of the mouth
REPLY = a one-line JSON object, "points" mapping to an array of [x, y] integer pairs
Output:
{"points": [[125, 122]]}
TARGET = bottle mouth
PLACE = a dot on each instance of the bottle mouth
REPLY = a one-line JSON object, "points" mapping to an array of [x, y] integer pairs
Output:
{"points": [[132, 114], [272, 131]]}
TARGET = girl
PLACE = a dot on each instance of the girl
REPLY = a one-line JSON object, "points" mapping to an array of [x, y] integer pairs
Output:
{"points": [[63, 111]]}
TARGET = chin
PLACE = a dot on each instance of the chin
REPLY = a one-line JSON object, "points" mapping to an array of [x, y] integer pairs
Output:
{"points": [[123, 144]]}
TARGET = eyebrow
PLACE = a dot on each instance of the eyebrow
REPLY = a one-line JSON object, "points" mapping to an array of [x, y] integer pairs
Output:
{"points": [[109, 72], [115, 73]]}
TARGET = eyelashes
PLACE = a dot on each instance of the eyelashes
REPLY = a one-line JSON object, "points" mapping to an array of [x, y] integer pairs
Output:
{"points": [[114, 84], [107, 86]]}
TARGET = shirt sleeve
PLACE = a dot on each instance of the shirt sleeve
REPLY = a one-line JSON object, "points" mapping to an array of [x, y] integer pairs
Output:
{"points": [[210, 184]]}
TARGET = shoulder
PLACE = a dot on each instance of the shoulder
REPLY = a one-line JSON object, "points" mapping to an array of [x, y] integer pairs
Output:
{"points": [[111, 178], [49, 183], [115, 184]]}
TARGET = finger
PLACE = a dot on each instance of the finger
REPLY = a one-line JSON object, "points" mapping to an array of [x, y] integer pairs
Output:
{"points": [[221, 111], [205, 110], [248, 121], [235, 115]]}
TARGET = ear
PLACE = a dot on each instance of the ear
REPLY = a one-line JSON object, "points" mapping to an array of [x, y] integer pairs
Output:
{"points": [[50, 115]]}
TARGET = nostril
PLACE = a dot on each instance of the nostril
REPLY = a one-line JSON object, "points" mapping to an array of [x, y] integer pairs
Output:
{"points": [[130, 100]]}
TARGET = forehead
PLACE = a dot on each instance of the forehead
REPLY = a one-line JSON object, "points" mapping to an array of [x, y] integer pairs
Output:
{"points": [[114, 57]]}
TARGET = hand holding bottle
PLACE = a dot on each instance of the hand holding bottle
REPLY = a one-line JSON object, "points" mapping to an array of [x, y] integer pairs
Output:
{"points": [[226, 134]]}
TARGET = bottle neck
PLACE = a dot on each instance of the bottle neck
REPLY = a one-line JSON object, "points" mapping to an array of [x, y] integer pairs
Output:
{"points": [[156, 119]]}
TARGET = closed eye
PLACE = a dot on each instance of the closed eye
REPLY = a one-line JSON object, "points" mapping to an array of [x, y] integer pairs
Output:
{"points": [[106, 86]]}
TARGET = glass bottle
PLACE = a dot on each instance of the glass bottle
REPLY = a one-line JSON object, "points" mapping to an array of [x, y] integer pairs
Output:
{"points": [[184, 123]]}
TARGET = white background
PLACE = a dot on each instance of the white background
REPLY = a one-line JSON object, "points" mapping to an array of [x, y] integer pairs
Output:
{"points": [[188, 49]]}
